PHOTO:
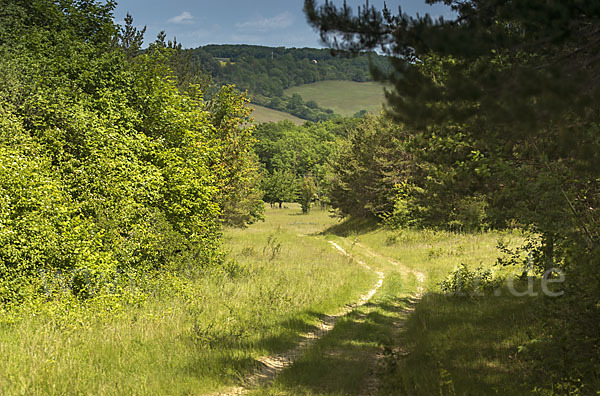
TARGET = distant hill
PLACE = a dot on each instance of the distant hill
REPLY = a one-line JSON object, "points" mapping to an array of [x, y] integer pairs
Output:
{"points": [[344, 97], [267, 72]]}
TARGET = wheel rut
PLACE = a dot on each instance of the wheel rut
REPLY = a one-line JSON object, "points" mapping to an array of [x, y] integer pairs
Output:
{"points": [[371, 385], [269, 367]]}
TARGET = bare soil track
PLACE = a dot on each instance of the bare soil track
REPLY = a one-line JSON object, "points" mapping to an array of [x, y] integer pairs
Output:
{"points": [[269, 367]]}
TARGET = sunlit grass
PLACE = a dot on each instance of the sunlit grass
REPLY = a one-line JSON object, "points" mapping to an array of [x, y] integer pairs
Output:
{"points": [[448, 346], [437, 253], [454, 345], [343, 361], [264, 114], [205, 337], [281, 277], [343, 97]]}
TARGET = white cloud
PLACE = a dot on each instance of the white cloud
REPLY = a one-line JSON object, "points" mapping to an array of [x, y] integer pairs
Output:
{"points": [[262, 24], [184, 18]]}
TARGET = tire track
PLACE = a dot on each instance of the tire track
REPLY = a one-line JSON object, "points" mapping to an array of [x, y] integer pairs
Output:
{"points": [[372, 382], [403, 268], [271, 366]]}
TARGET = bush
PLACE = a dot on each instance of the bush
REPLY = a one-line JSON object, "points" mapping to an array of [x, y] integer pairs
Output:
{"points": [[106, 166], [465, 282], [469, 214]]}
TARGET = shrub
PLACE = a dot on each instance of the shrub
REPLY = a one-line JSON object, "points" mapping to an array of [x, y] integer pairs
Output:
{"points": [[465, 282]]}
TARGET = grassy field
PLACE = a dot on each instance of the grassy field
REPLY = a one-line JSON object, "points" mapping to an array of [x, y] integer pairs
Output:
{"points": [[283, 276], [442, 345], [344, 361], [264, 114], [344, 97], [453, 345], [203, 338]]}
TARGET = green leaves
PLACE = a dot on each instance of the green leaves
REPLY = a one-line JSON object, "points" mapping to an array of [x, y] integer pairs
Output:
{"points": [[367, 167], [105, 164], [289, 153]]}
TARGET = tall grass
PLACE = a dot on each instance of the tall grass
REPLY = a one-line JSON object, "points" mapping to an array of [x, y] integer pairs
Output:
{"points": [[203, 334], [368, 348], [457, 345], [345, 360], [200, 338], [435, 253], [463, 346]]}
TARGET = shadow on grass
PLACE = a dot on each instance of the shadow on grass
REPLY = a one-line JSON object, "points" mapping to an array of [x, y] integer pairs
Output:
{"points": [[341, 362], [352, 226], [461, 346], [228, 356]]}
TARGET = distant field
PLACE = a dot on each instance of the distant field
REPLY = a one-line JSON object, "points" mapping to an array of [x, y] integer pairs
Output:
{"points": [[224, 61], [344, 97], [264, 114]]}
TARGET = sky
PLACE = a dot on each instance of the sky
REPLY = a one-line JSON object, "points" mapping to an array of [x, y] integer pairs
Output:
{"points": [[263, 22]]}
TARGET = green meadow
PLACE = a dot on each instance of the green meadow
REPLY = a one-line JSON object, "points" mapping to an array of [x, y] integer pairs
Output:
{"points": [[397, 345], [343, 97], [202, 337], [264, 114], [282, 276]]}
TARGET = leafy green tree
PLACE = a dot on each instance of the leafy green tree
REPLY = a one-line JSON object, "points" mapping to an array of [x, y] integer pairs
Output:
{"points": [[236, 166], [106, 164], [280, 187], [308, 191], [367, 167], [510, 80]]}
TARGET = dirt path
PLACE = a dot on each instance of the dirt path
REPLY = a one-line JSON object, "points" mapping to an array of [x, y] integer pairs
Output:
{"points": [[403, 268], [271, 366], [378, 361]]}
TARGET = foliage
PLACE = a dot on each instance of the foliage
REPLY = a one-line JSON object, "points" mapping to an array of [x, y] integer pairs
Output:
{"points": [[279, 187], [289, 152], [508, 83], [106, 165], [295, 105], [129, 38], [502, 102], [308, 191], [465, 282], [236, 166], [367, 167], [267, 71]]}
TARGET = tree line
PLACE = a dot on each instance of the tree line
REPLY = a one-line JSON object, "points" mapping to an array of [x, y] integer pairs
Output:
{"points": [[294, 159]]}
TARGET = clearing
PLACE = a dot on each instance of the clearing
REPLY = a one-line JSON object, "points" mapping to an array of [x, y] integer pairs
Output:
{"points": [[306, 306], [344, 97], [264, 114]]}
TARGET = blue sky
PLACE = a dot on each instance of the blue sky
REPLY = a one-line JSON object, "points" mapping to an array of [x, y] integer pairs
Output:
{"points": [[263, 22]]}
